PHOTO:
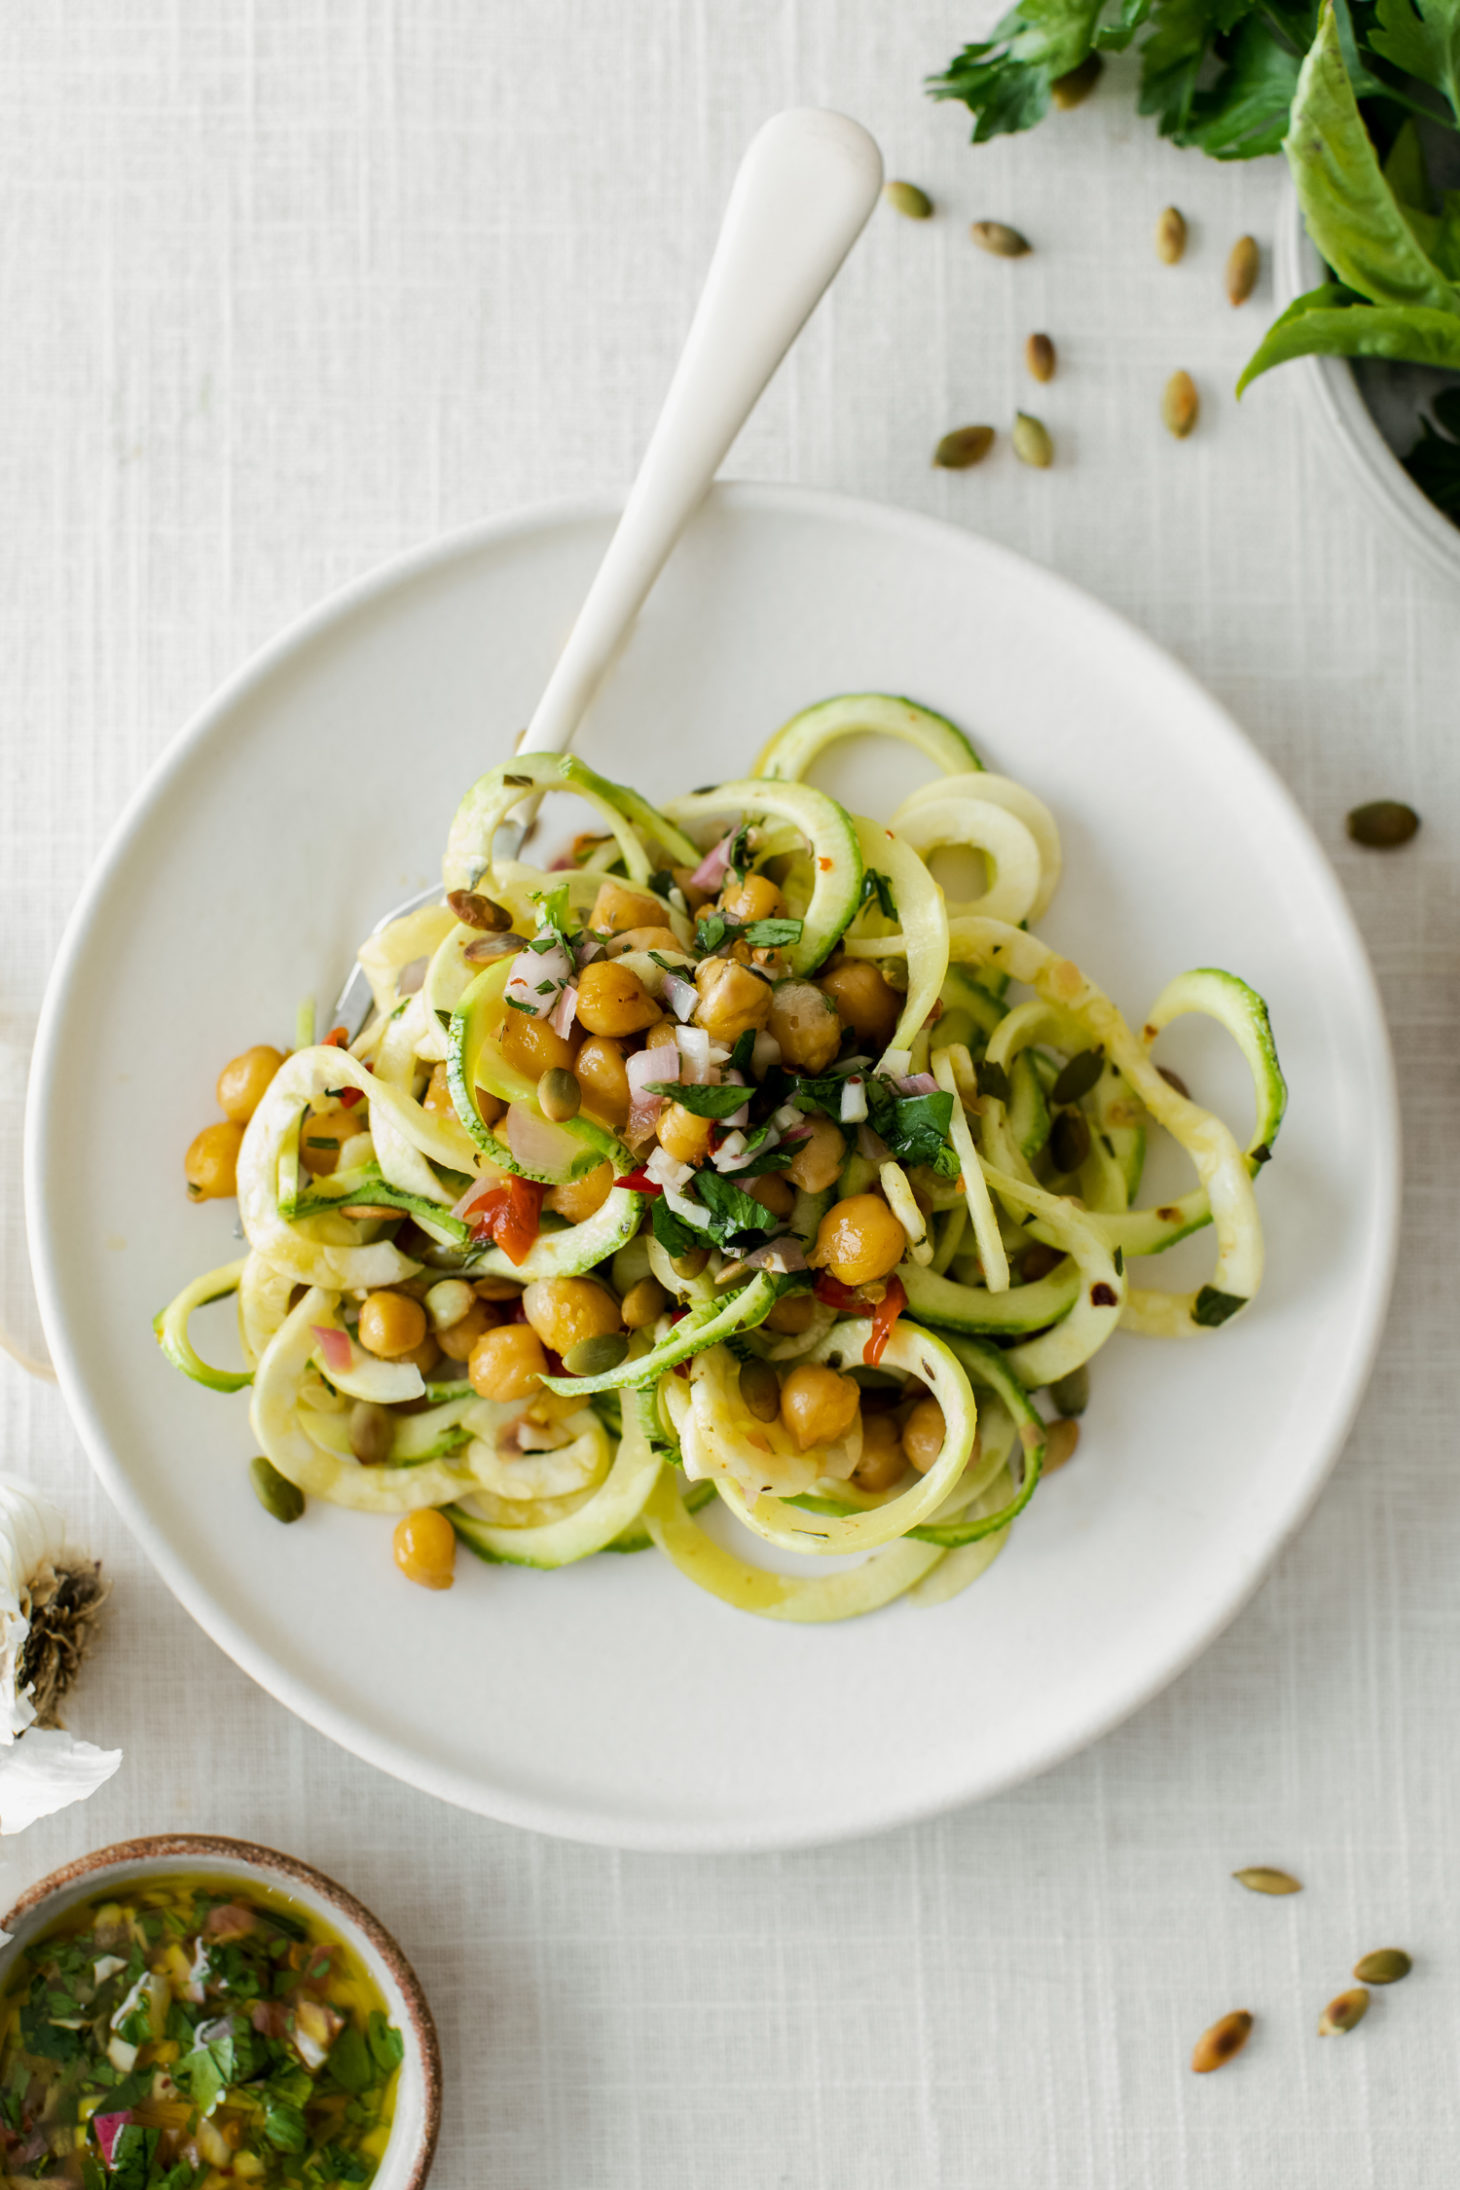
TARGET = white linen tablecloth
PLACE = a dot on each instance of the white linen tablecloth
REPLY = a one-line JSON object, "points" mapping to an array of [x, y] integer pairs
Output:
{"points": [[288, 285]]}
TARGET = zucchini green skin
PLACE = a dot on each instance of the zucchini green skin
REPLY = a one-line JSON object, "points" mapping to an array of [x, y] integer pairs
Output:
{"points": [[704, 1326], [787, 756], [986, 1365], [369, 1184], [614, 1506], [828, 828], [171, 1327], [949, 1306], [434, 1435], [474, 1060], [493, 796]]}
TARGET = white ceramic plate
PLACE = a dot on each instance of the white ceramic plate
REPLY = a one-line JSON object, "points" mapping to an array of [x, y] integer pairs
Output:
{"points": [[614, 1702]]}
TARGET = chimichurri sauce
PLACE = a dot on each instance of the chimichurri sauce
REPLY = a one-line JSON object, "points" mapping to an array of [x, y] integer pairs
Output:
{"points": [[193, 2034]]}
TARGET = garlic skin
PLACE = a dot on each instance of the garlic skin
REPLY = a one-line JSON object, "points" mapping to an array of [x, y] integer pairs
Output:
{"points": [[42, 1768]]}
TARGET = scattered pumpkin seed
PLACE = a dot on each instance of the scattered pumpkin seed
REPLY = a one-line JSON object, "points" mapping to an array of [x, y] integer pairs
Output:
{"points": [[907, 199], [1222, 2043], [597, 1355], [1069, 1142], [1032, 444], [1170, 236], [1180, 404], [1344, 2011], [1076, 85], [1385, 1966], [965, 446], [1039, 356], [486, 948], [691, 1263], [1382, 824], [1078, 1076], [997, 236], [1257, 1878], [1174, 1079], [274, 1492], [1060, 1441], [1243, 261], [1071, 1394], [474, 911], [372, 1428], [559, 1097], [760, 1388]]}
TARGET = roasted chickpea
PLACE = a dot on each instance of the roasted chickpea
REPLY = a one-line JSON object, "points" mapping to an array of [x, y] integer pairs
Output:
{"points": [[858, 1240], [424, 1545], [643, 1303], [733, 1000], [211, 1163], [616, 908], [793, 1314], [578, 1199], [604, 1079], [817, 1163], [244, 1081], [863, 1000], [648, 939], [424, 1357], [613, 1000], [531, 1047], [805, 1024], [507, 1363], [772, 1192], [883, 1460], [564, 1311], [923, 1433], [391, 1324], [458, 1341], [437, 1099], [818, 1406], [755, 897], [683, 1135]]}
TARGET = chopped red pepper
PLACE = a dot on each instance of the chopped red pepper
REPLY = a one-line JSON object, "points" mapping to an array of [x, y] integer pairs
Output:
{"points": [[337, 1038], [833, 1294], [885, 1314], [509, 1216], [639, 1182], [349, 1096]]}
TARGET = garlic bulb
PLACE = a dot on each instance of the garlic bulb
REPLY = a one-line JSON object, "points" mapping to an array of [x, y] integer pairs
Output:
{"points": [[49, 1600]]}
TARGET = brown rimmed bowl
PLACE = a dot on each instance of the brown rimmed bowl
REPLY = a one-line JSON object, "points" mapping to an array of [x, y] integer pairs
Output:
{"points": [[408, 2156]]}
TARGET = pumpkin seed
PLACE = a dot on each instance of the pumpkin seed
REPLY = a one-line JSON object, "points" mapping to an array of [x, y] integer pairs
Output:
{"points": [[1180, 404], [1071, 1394], [372, 1428], [1170, 236], [760, 1388], [643, 1303], [1060, 1440], [597, 1355], [497, 1288], [1032, 444], [1385, 1966], [966, 445], [1243, 261], [691, 1263], [1174, 1079], [1222, 2043], [1078, 1076], [1382, 824], [274, 1492], [907, 199], [559, 1097], [1257, 1878], [1076, 85], [489, 947], [1069, 1143], [997, 236], [1344, 2011], [1039, 356], [474, 911]]}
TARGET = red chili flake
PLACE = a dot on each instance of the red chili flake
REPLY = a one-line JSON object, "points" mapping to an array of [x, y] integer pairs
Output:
{"points": [[337, 1038], [889, 1308], [349, 1096], [1101, 1296], [826, 865], [639, 1182]]}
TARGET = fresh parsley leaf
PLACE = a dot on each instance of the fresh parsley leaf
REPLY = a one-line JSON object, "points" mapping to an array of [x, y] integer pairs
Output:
{"points": [[1245, 110], [47, 2040], [387, 2046], [732, 1210], [743, 1052], [875, 884], [206, 2072], [349, 2060], [703, 1101], [673, 1234], [1422, 38], [285, 2127], [917, 1128], [711, 932], [132, 2156], [766, 935]]}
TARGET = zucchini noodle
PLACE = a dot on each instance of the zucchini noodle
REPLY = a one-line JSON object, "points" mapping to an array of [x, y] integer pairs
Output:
{"points": [[714, 1187]]}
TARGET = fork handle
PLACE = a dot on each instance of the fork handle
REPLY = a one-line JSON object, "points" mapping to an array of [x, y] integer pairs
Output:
{"points": [[805, 189]]}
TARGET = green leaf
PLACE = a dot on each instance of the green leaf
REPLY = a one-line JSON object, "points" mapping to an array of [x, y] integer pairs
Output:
{"points": [[349, 2060], [732, 1209], [1434, 466], [387, 2046], [1213, 1308], [711, 932], [132, 2156], [916, 1127], [1405, 170], [1174, 53], [285, 2127], [1422, 41], [1351, 213], [206, 2072], [1005, 80], [673, 1234], [703, 1101], [1246, 111], [769, 935], [1414, 336], [876, 884]]}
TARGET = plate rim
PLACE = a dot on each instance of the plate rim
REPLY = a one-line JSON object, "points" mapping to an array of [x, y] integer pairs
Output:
{"points": [[554, 1815]]}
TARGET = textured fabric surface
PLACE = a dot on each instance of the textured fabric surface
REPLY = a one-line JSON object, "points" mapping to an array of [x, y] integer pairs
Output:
{"points": [[289, 285]]}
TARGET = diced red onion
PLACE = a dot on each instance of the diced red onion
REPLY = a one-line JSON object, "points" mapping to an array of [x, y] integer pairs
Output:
{"points": [[587, 948], [335, 1345], [694, 1048], [530, 970], [410, 977], [916, 1083], [871, 1145], [563, 1011], [680, 995], [659, 1063], [783, 1255], [108, 2128], [536, 1142], [710, 872], [854, 1101]]}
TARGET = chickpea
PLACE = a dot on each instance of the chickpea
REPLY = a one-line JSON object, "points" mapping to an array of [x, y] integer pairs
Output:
{"points": [[754, 898], [772, 1192], [805, 1024], [859, 1240], [613, 1000], [497, 1288], [647, 939], [579, 1199], [244, 1081], [211, 1163], [883, 1460], [683, 1135], [458, 1340], [818, 1406], [424, 1545], [391, 1324], [793, 1314], [604, 1079], [733, 1000], [531, 1047], [817, 1163], [424, 1357], [325, 1132], [564, 1311], [437, 1099], [616, 908], [507, 1362], [863, 1000], [643, 1303], [923, 1433]]}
